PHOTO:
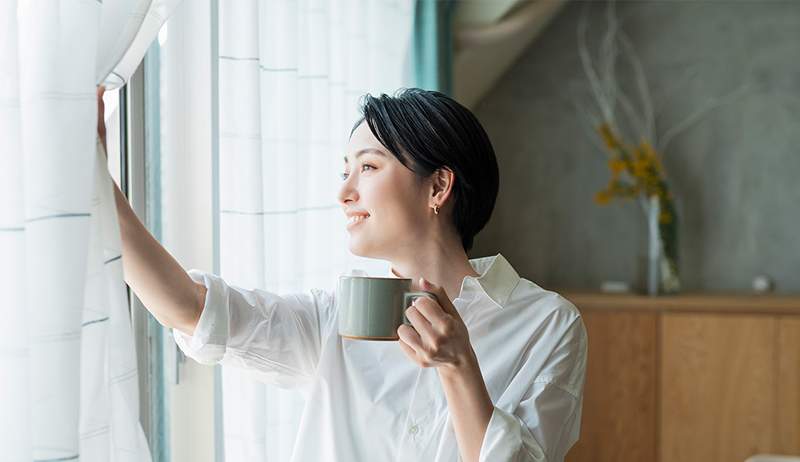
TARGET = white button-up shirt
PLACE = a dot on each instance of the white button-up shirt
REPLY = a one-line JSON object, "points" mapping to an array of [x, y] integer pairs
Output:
{"points": [[368, 401]]}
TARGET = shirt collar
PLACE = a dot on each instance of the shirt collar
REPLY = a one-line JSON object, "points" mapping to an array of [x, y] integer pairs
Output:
{"points": [[497, 278]]}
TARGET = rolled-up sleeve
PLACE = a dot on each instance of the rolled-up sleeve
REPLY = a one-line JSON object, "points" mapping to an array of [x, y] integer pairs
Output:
{"points": [[546, 422], [277, 337]]}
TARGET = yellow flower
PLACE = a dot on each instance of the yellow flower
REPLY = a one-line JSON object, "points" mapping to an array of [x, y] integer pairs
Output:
{"points": [[651, 154], [602, 197], [616, 165], [640, 165], [616, 187], [641, 162]]}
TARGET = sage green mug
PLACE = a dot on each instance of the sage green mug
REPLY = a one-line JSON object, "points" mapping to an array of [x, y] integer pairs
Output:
{"points": [[372, 308]]}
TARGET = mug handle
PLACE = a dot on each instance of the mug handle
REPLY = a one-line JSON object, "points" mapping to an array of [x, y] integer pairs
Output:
{"points": [[408, 299]]}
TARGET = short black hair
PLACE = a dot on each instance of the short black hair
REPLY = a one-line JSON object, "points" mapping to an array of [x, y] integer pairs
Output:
{"points": [[427, 130]]}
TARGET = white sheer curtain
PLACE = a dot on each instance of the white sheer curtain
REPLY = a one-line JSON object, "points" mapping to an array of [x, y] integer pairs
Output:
{"points": [[290, 77], [68, 378]]}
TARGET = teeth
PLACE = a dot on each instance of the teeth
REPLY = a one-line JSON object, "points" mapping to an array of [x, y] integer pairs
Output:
{"points": [[356, 218]]}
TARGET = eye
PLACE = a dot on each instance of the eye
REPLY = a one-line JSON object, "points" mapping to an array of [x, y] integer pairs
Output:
{"points": [[345, 174]]}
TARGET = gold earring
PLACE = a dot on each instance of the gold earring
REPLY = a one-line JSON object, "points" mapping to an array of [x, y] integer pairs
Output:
{"points": [[436, 209]]}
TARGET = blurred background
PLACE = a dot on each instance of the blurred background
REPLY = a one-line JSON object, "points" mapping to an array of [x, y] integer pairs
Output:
{"points": [[732, 170]]}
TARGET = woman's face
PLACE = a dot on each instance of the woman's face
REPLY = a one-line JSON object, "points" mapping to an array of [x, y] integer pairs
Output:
{"points": [[391, 197]]}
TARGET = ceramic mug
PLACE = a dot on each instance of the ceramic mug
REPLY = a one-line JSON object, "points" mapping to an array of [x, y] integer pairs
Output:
{"points": [[372, 308]]}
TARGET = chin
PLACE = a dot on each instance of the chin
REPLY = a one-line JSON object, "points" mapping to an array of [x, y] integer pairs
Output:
{"points": [[360, 248]]}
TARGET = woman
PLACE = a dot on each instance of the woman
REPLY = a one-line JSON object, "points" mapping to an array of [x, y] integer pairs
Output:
{"points": [[493, 374]]}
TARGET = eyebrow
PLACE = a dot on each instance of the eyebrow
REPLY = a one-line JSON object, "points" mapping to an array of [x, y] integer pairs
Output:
{"points": [[367, 151]]}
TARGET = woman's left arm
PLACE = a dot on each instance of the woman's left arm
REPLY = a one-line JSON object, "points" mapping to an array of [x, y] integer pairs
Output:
{"points": [[440, 339], [470, 406], [543, 425]]}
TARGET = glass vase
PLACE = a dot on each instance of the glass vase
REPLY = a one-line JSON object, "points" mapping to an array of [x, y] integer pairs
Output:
{"points": [[662, 247]]}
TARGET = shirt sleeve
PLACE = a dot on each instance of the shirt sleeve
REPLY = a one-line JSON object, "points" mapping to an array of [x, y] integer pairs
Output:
{"points": [[276, 337], [546, 422]]}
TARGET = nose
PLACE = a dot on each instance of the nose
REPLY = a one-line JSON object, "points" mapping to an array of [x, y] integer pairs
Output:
{"points": [[347, 193]]}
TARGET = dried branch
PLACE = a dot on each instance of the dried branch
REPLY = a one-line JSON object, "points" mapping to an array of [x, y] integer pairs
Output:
{"points": [[589, 122], [649, 131], [595, 82], [601, 73], [709, 105]]}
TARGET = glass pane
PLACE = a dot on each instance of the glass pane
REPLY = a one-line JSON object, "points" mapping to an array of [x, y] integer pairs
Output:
{"points": [[158, 345], [112, 116]]}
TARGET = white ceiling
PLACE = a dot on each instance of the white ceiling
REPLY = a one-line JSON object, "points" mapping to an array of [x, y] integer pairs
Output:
{"points": [[488, 36], [481, 12]]}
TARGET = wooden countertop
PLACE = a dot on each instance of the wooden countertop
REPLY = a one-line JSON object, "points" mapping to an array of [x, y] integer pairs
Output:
{"points": [[688, 302]]}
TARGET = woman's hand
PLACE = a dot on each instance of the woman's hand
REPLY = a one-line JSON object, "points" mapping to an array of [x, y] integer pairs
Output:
{"points": [[439, 337], [101, 121]]}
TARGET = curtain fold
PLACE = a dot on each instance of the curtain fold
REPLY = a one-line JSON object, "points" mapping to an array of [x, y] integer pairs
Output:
{"points": [[68, 378], [290, 77], [432, 50], [127, 28]]}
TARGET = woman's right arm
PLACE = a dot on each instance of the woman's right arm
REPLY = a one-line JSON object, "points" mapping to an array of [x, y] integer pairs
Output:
{"points": [[155, 276], [163, 286]]}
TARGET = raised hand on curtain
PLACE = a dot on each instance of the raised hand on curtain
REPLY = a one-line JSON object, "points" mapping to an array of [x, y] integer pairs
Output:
{"points": [[153, 274], [101, 120]]}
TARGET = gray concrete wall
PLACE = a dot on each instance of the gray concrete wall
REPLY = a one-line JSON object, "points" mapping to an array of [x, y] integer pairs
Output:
{"points": [[735, 173]]}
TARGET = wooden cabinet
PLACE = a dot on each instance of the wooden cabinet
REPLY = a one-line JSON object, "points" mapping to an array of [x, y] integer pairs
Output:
{"points": [[718, 386], [620, 402], [689, 378], [787, 436]]}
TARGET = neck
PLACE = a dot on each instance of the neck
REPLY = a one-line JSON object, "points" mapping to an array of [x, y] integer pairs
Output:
{"points": [[440, 264]]}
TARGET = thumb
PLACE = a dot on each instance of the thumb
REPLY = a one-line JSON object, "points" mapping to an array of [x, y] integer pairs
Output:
{"points": [[439, 291], [425, 285]]}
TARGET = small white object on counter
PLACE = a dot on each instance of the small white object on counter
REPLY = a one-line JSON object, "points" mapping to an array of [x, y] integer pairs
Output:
{"points": [[615, 287], [762, 284]]}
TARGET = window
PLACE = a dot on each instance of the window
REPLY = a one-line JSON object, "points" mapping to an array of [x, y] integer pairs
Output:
{"points": [[114, 130], [164, 161], [129, 154]]}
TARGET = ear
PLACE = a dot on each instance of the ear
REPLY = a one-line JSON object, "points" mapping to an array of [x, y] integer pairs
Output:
{"points": [[441, 186]]}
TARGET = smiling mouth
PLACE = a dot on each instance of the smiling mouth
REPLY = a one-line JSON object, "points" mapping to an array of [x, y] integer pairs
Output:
{"points": [[355, 220]]}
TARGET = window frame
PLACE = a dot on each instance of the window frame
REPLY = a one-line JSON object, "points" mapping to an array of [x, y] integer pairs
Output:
{"points": [[160, 362], [138, 153]]}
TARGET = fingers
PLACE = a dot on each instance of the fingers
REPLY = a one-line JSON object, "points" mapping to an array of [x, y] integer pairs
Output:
{"points": [[420, 323], [410, 352], [101, 90], [442, 299], [408, 335], [429, 309], [101, 113], [441, 296]]}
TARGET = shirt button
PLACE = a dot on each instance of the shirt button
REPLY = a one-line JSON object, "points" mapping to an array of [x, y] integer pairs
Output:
{"points": [[414, 429]]}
